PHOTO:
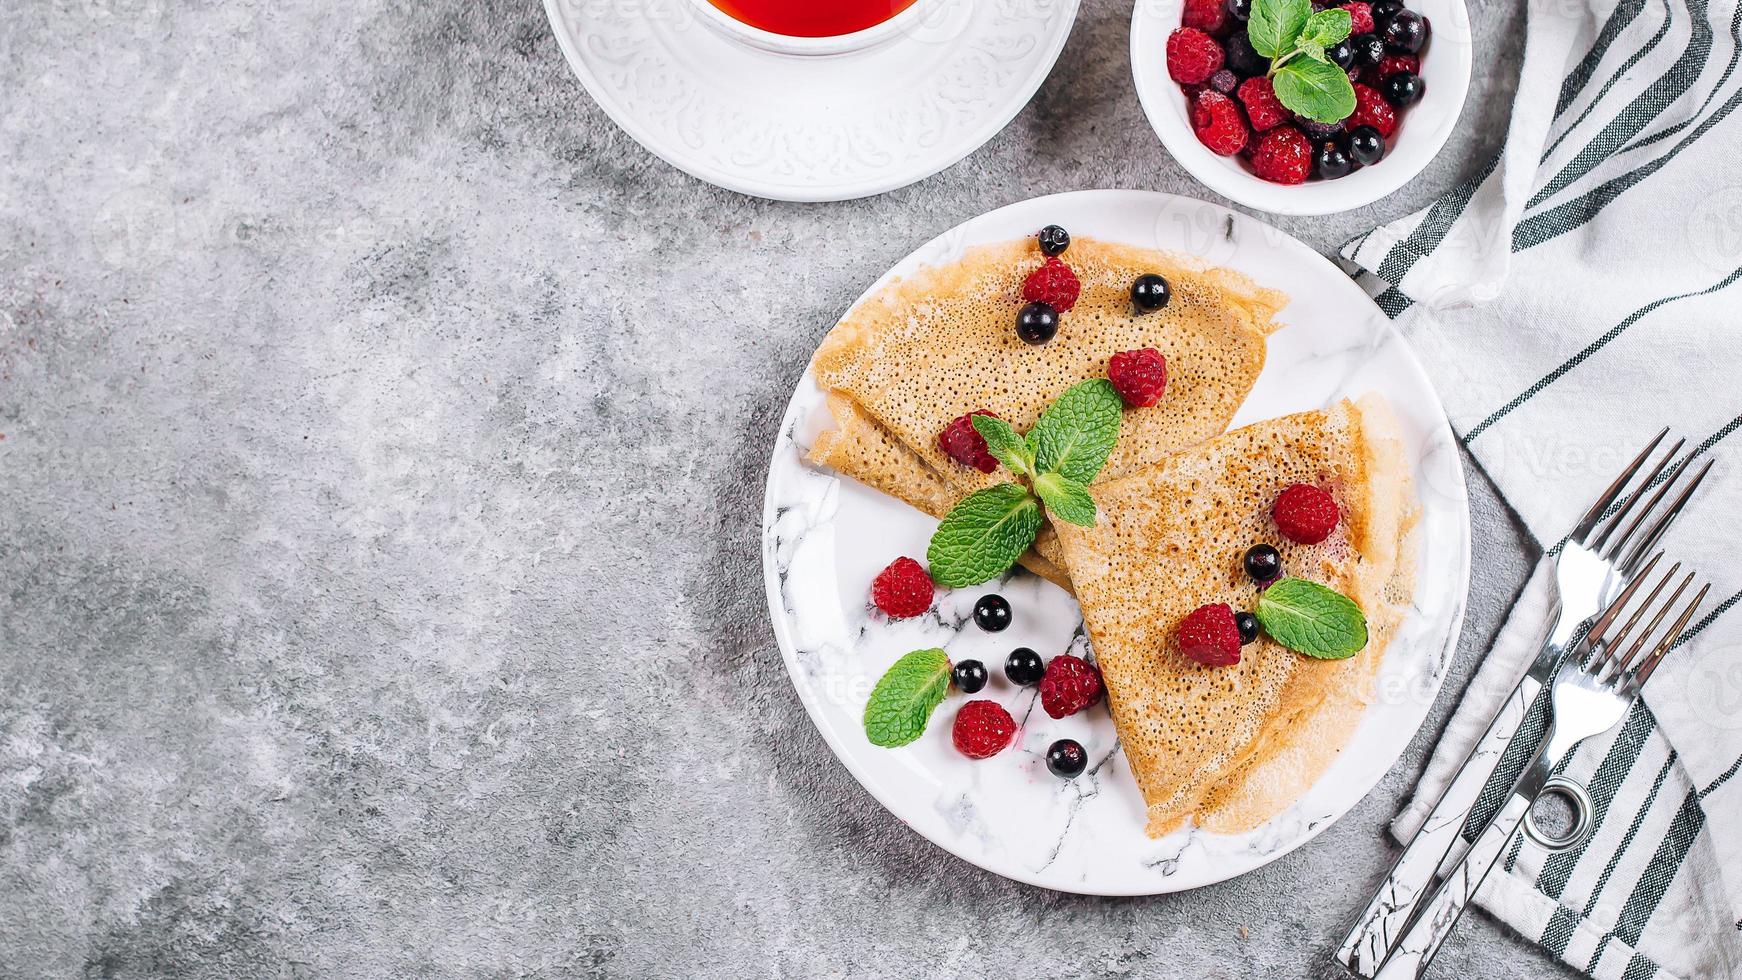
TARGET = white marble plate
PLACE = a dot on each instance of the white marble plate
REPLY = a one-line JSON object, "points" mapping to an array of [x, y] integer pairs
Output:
{"points": [[824, 539], [811, 128]]}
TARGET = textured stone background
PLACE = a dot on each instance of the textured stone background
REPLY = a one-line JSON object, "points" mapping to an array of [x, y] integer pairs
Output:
{"points": [[379, 588]]}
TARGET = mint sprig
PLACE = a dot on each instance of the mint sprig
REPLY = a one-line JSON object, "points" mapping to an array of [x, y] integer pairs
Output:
{"points": [[988, 531], [1312, 619], [1076, 433], [1066, 499], [1294, 39], [905, 696], [983, 535], [1005, 445]]}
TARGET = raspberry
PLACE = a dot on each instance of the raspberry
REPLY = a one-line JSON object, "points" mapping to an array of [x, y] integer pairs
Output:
{"points": [[1361, 15], [1219, 125], [983, 729], [962, 443], [1070, 685], [1262, 106], [1371, 109], [1391, 64], [1192, 56], [1305, 514], [1210, 636], [902, 590], [1284, 156], [1053, 284], [1209, 16], [1140, 376]]}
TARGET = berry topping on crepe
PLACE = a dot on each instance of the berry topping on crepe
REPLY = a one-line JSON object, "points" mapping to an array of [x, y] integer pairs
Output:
{"points": [[1210, 636], [1070, 685], [1053, 284], [1305, 514], [1037, 322], [962, 443], [1053, 240], [983, 729], [1139, 376], [902, 590]]}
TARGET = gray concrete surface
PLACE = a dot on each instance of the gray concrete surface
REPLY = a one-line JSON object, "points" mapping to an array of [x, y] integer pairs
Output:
{"points": [[379, 588]]}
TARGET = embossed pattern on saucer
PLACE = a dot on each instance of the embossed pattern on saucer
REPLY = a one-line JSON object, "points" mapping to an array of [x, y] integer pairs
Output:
{"points": [[811, 129]]}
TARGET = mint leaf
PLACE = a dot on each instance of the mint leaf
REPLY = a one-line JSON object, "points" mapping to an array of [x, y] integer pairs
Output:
{"points": [[983, 536], [1005, 445], [1317, 90], [905, 696], [1077, 431], [1066, 499], [1326, 28], [1275, 24], [1309, 618]]}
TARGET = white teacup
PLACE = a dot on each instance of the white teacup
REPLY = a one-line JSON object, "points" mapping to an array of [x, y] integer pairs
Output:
{"points": [[907, 21]]}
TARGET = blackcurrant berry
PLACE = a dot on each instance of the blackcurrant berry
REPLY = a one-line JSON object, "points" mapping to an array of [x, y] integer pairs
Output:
{"points": [[1369, 50], [1247, 624], [1262, 562], [1402, 88], [1242, 59], [1150, 292], [1366, 146], [1342, 54], [969, 675], [1037, 322], [1240, 10], [992, 613], [1053, 240], [1066, 758], [1332, 161], [1024, 667], [1405, 33]]}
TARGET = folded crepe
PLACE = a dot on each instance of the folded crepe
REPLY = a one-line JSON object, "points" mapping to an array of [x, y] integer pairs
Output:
{"points": [[1234, 746], [922, 351]]}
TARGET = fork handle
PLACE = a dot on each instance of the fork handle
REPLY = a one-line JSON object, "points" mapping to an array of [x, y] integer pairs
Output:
{"points": [[1365, 946], [1416, 950]]}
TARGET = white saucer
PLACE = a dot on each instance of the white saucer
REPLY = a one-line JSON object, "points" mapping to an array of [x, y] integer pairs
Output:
{"points": [[811, 128], [824, 538]]}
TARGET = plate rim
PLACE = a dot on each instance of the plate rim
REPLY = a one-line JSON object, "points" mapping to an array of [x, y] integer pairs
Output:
{"points": [[782, 629], [810, 193]]}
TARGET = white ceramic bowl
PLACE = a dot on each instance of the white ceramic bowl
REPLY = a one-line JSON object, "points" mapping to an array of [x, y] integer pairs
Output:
{"points": [[909, 20], [1422, 129]]}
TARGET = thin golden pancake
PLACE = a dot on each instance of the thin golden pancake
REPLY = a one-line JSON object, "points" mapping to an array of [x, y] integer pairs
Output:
{"points": [[1234, 746], [859, 446], [924, 350]]}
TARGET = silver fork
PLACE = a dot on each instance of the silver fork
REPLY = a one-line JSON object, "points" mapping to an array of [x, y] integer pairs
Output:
{"points": [[1593, 690], [1600, 556]]}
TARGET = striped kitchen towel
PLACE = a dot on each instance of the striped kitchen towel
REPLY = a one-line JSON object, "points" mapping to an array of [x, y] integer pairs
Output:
{"points": [[1572, 297]]}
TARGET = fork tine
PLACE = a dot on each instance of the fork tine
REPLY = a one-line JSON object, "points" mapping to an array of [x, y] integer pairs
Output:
{"points": [[1601, 626], [1661, 527], [1633, 498], [1605, 655], [1662, 611], [1589, 521], [1668, 642]]}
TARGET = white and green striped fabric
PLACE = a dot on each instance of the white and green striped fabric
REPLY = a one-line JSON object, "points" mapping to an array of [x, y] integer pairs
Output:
{"points": [[1570, 299]]}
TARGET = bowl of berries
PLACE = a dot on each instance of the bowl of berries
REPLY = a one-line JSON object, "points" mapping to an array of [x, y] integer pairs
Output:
{"points": [[1297, 106]]}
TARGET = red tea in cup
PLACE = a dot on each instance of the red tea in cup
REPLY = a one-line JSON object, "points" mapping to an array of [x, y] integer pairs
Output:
{"points": [[812, 18]]}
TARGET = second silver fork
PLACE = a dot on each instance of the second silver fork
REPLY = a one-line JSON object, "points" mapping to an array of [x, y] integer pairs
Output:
{"points": [[1593, 690], [1598, 558]]}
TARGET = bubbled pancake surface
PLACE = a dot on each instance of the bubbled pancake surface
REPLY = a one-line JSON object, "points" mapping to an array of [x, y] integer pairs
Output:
{"points": [[924, 350], [857, 446], [1233, 746]]}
